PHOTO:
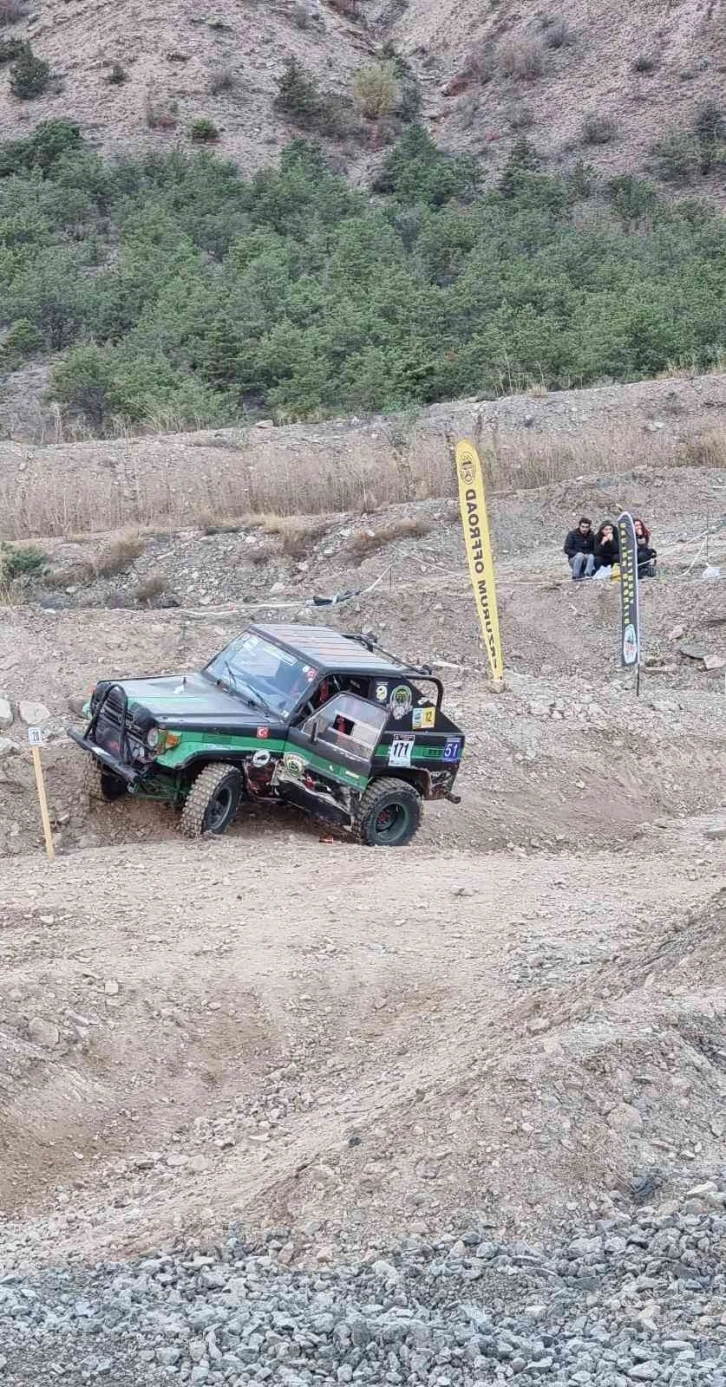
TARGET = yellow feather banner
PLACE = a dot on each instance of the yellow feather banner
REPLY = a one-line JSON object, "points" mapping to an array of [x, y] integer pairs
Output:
{"points": [[479, 550]]}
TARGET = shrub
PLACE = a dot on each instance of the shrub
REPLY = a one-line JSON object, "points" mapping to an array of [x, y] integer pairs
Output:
{"points": [[523, 59], [151, 587], [10, 49], [375, 90], [598, 129], [480, 64], [161, 115], [117, 76], [677, 158], [22, 340], [297, 94], [349, 9], [118, 555], [204, 131], [558, 34], [709, 128], [223, 79], [29, 75], [11, 11], [50, 141], [21, 562], [523, 159], [644, 63], [521, 118], [84, 384], [365, 542]]}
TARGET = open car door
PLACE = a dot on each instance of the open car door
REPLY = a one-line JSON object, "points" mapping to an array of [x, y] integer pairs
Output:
{"points": [[326, 764]]}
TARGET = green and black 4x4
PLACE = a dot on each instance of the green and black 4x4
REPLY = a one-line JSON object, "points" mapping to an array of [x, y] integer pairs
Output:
{"points": [[305, 714]]}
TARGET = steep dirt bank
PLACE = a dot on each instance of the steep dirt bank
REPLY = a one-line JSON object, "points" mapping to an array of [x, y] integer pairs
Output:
{"points": [[526, 441]]}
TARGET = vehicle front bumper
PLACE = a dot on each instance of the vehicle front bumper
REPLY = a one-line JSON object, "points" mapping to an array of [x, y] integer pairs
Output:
{"points": [[128, 773]]}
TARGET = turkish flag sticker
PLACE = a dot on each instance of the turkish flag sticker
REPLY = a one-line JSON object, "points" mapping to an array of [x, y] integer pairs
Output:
{"points": [[263, 732]]}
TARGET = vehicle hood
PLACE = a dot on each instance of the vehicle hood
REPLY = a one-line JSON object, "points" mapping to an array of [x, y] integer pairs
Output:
{"points": [[175, 699]]}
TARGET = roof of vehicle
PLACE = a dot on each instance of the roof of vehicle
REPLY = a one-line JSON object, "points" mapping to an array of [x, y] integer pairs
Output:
{"points": [[332, 651]]}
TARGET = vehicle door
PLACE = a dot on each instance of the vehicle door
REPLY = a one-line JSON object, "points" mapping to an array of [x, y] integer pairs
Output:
{"points": [[326, 763]]}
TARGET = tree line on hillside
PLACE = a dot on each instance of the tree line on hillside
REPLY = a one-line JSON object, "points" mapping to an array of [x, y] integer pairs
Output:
{"points": [[174, 292]]}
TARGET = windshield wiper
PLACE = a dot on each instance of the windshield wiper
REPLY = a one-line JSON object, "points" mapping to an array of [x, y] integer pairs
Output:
{"points": [[256, 701]]}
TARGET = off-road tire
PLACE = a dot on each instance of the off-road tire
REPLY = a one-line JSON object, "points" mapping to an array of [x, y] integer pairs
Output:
{"points": [[100, 783], [388, 794], [214, 781]]}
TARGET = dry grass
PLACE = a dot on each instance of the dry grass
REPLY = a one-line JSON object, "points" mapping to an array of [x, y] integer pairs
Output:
{"points": [[161, 115], [118, 555], [222, 79], [151, 587], [523, 59], [163, 484], [480, 64], [296, 535], [365, 542]]}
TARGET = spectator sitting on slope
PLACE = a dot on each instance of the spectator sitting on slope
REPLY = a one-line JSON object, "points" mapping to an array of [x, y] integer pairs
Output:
{"points": [[579, 547], [646, 554], [607, 547]]}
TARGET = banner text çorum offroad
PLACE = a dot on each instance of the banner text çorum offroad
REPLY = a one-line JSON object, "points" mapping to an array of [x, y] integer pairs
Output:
{"points": [[479, 550]]}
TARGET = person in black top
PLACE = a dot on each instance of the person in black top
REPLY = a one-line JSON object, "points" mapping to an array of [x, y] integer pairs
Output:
{"points": [[607, 546], [578, 547], [646, 553]]}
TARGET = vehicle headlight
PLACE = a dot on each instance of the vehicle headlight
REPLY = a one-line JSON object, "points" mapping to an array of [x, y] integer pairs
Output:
{"points": [[152, 738]]}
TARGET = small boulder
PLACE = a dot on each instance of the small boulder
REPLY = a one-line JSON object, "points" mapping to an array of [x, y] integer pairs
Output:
{"points": [[6, 713], [625, 1118], [7, 747], [43, 1032], [33, 714]]}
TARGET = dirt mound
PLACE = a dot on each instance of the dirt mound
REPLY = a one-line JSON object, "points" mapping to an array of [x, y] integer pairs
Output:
{"points": [[409, 1042]]}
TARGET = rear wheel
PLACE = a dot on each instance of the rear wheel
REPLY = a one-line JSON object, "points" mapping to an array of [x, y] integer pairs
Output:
{"points": [[388, 815], [212, 801], [101, 783]]}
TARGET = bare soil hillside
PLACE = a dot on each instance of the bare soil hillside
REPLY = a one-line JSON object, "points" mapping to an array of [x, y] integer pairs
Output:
{"points": [[58, 488], [582, 80], [523, 1010]]}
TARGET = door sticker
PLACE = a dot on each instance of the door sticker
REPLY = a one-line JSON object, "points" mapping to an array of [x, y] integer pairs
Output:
{"points": [[401, 701], [399, 753], [424, 717], [452, 750]]}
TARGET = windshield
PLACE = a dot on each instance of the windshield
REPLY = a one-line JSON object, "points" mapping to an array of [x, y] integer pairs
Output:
{"points": [[262, 674]]}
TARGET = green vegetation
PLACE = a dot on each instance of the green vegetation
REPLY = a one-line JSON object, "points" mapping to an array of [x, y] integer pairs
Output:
{"points": [[204, 131], [29, 74], [21, 561], [179, 293], [683, 155]]}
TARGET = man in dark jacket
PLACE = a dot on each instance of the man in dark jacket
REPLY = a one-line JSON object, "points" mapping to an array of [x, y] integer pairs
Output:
{"points": [[579, 548]]}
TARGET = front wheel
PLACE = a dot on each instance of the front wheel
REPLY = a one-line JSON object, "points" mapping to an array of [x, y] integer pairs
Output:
{"points": [[101, 783], [388, 815], [212, 801]]}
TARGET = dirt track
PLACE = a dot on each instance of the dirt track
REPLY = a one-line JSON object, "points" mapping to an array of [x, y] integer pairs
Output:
{"points": [[366, 1041], [524, 1008]]}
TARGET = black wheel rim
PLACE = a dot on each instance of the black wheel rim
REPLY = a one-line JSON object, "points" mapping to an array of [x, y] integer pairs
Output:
{"points": [[390, 823], [218, 809]]}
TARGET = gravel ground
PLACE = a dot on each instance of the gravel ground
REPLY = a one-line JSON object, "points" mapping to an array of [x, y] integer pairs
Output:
{"points": [[639, 1296]]}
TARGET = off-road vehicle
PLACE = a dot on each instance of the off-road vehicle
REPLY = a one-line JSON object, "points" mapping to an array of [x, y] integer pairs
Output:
{"points": [[306, 714]]}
